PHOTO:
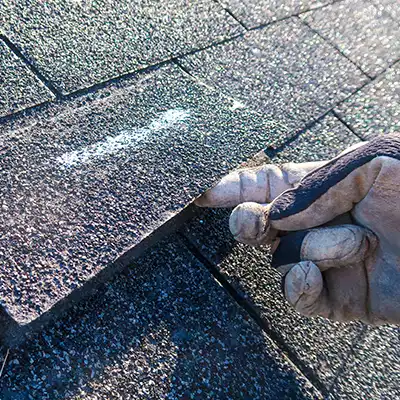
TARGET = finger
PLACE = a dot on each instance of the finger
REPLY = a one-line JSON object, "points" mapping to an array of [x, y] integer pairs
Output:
{"points": [[249, 224], [334, 188], [329, 247], [339, 294], [240, 186], [259, 185], [304, 290]]}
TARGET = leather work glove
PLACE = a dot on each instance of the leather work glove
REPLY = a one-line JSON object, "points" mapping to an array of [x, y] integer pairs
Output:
{"points": [[343, 271]]}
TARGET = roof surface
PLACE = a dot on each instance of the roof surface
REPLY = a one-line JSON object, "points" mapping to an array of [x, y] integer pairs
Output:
{"points": [[114, 117]]}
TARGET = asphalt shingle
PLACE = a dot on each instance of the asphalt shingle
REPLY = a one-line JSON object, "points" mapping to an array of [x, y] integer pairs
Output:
{"points": [[79, 43], [374, 370], [253, 13], [392, 7], [364, 33], [285, 71], [325, 139], [19, 88], [154, 332], [83, 182], [321, 345], [376, 108]]}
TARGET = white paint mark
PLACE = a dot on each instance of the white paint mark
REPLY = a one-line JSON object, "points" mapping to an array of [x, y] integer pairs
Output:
{"points": [[236, 105], [256, 52], [126, 139]]}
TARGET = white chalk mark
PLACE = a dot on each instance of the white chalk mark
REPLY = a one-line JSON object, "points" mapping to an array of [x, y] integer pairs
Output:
{"points": [[236, 105], [126, 139]]}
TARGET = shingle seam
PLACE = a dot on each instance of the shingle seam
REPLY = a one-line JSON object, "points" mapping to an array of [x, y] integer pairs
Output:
{"points": [[31, 67], [333, 45], [252, 311]]}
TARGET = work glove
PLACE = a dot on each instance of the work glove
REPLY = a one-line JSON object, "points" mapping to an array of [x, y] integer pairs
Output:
{"points": [[333, 226]]}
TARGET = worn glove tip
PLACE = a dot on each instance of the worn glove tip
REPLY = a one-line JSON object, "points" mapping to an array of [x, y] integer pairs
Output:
{"points": [[249, 224]]}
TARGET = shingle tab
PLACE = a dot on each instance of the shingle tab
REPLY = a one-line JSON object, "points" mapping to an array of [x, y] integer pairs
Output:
{"points": [[19, 87], [363, 32], [254, 13], [373, 371], [78, 43], [392, 7], [83, 182], [376, 108], [285, 71]]}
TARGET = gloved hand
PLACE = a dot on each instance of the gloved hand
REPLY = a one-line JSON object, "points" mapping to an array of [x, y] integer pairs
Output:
{"points": [[343, 272]]}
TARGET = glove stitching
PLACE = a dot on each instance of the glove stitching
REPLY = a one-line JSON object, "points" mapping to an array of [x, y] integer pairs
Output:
{"points": [[305, 279], [241, 188]]}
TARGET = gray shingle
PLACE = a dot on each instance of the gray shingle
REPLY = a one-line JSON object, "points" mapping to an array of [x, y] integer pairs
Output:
{"points": [[374, 371], [285, 71], [19, 88], [163, 329], [392, 7], [376, 108], [365, 34], [254, 13], [77, 44], [324, 140], [84, 181]]}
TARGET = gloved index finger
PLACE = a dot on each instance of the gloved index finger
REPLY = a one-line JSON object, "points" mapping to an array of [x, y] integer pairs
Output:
{"points": [[250, 184], [259, 185]]}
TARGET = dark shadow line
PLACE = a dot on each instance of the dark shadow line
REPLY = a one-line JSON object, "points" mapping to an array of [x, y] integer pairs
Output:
{"points": [[296, 14], [236, 18], [252, 311], [272, 151], [225, 8], [333, 45], [25, 112], [120, 79], [350, 354], [183, 68], [346, 124], [32, 68], [316, 120], [149, 68]]}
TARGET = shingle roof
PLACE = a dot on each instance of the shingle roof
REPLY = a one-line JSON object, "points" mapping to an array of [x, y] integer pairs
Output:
{"points": [[114, 116]]}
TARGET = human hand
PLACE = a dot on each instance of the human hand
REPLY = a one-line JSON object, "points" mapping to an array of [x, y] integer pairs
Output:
{"points": [[345, 271]]}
